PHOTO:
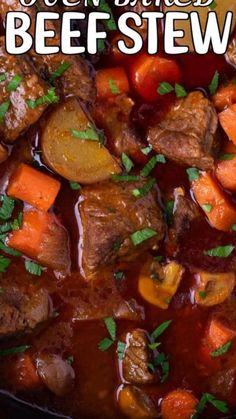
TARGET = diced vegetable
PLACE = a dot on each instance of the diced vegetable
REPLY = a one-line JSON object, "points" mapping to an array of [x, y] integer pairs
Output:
{"points": [[43, 238], [57, 374], [34, 187], [147, 72], [226, 168], [78, 160], [111, 81], [227, 120], [178, 404], [136, 404], [214, 288], [218, 334], [225, 96], [206, 191], [158, 285]]}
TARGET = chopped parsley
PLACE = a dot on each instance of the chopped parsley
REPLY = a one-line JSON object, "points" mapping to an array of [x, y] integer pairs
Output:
{"points": [[180, 90], [124, 178], [119, 275], [143, 191], [4, 263], [146, 150], [209, 398], [142, 235], [7, 207], [226, 156], [202, 294], [221, 251], [193, 174], [113, 87], [165, 88], [106, 343], [88, 134], [60, 71], [121, 346], [213, 86], [127, 162], [8, 249], [14, 83], [3, 77], [70, 360], [14, 350], [221, 350], [3, 109], [33, 268], [233, 227], [213, 5], [75, 186], [160, 329], [169, 209], [207, 207], [161, 360], [146, 170], [51, 97]]}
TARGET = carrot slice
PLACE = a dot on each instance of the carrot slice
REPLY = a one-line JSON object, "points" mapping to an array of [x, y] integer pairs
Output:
{"points": [[178, 404], [226, 173], [218, 334], [111, 81], [219, 210], [33, 187], [29, 238], [225, 96], [228, 122]]}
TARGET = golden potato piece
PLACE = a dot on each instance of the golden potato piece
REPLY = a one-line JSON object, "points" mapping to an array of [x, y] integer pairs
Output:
{"points": [[223, 6], [214, 288], [80, 160], [157, 285], [136, 404]]}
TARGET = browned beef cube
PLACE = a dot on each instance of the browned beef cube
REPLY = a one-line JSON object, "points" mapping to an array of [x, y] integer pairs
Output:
{"points": [[76, 79], [137, 358], [188, 132], [22, 307], [185, 211], [19, 116], [109, 215]]}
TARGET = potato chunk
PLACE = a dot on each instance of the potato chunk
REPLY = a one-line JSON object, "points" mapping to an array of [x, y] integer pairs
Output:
{"points": [[214, 288], [80, 160], [157, 285], [136, 404]]}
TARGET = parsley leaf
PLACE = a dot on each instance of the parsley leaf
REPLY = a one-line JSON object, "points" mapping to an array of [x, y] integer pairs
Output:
{"points": [[14, 350], [3, 77], [8, 249], [70, 360], [209, 398], [169, 209], [165, 88], [207, 207], [51, 97], [180, 90], [193, 174], [146, 150], [221, 251], [213, 86], [105, 344], [161, 360], [111, 327], [127, 162], [14, 83], [113, 87], [119, 275], [33, 268], [4, 263], [159, 158], [3, 109], [228, 156], [222, 349], [121, 346], [75, 186], [124, 178], [143, 191], [7, 207], [160, 329], [141, 235], [88, 134], [60, 71]]}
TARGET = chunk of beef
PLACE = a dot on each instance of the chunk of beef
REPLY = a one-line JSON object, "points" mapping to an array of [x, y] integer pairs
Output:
{"points": [[136, 359], [76, 79], [185, 211], [22, 307], [19, 116], [113, 115], [188, 132], [109, 215]]}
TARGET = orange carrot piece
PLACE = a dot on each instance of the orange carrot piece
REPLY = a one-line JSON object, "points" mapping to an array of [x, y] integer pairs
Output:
{"points": [[23, 374], [111, 81], [225, 96], [178, 404], [29, 237], [227, 120], [221, 212], [218, 334], [34, 187], [226, 173]]}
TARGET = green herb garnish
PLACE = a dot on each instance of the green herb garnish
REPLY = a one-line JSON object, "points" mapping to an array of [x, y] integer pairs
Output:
{"points": [[13, 351], [119, 275], [209, 398], [146, 170], [88, 134], [111, 328], [143, 191], [7, 207], [75, 186], [228, 156], [33, 268], [193, 174], [51, 97], [213, 86], [124, 178], [14, 83], [4, 263], [121, 346], [60, 71], [207, 207], [221, 251], [160, 329], [127, 162], [222, 349], [146, 150], [113, 87], [142, 235], [3, 109]]}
